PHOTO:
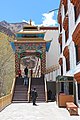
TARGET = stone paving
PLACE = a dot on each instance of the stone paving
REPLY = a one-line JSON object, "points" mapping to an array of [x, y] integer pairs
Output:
{"points": [[43, 111]]}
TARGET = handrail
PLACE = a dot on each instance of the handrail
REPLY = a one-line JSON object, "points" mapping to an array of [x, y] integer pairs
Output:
{"points": [[29, 87], [13, 85], [6, 100], [46, 90], [51, 69]]}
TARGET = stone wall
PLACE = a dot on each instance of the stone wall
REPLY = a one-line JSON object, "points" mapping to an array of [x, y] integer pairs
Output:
{"points": [[7, 64]]}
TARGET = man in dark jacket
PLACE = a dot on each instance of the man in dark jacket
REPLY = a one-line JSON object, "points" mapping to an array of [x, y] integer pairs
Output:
{"points": [[26, 71], [34, 95]]}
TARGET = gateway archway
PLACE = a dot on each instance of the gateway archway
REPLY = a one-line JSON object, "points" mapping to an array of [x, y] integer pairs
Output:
{"points": [[24, 49]]}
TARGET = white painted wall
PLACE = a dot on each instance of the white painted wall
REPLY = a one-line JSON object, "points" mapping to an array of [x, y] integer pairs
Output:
{"points": [[53, 53]]}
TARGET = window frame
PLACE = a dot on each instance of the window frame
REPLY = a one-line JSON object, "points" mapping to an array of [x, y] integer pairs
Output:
{"points": [[67, 63]]}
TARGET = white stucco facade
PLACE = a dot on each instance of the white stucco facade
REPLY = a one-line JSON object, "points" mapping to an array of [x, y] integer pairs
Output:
{"points": [[53, 53]]}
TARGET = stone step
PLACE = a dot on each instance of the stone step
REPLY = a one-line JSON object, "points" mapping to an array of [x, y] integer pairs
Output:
{"points": [[17, 89], [19, 101], [19, 97]]}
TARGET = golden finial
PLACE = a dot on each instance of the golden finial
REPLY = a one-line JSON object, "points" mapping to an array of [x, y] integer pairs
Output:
{"points": [[30, 22]]}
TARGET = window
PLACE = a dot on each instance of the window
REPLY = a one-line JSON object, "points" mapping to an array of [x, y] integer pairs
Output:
{"points": [[65, 8], [66, 35], [67, 63], [60, 27], [61, 48], [60, 42], [66, 55], [77, 9], [79, 91], [75, 13], [61, 64], [66, 27], [65, 2], [62, 69], [77, 53]]}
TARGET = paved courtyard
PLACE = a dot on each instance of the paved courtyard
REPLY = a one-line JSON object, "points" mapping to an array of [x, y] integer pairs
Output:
{"points": [[43, 111]]}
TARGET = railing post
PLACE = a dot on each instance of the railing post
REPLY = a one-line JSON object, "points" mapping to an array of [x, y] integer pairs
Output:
{"points": [[29, 87], [46, 90]]}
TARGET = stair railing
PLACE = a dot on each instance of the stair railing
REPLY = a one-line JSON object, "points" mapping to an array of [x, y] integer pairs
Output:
{"points": [[29, 87], [51, 69]]}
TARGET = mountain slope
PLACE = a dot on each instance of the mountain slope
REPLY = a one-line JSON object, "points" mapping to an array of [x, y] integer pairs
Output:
{"points": [[11, 28], [6, 31]]}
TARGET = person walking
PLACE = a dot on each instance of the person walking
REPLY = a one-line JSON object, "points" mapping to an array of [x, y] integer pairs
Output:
{"points": [[19, 73], [26, 71], [25, 81], [34, 96]]}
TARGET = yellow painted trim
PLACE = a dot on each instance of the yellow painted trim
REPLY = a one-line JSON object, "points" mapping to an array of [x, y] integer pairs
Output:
{"points": [[31, 32], [31, 39]]}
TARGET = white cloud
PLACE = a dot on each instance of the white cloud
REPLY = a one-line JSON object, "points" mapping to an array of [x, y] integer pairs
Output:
{"points": [[48, 19], [24, 21]]}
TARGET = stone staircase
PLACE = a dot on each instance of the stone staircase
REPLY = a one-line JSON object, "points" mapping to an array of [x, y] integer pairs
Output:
{"points": [[20, 91], [38, 83]]}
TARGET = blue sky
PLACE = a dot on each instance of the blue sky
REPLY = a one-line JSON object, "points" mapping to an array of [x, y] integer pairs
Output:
{"points": [[23, 10]]}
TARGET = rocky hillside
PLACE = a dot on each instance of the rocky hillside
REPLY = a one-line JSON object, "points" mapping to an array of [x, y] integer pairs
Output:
{"points": [[6, 31], [11, 28]]}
